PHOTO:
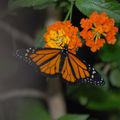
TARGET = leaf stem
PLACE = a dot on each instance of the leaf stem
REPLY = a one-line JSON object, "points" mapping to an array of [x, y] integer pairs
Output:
{"points": [[69, 14]]}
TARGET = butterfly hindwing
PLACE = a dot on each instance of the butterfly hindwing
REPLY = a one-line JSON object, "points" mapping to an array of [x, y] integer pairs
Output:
{"points": [[66, 72], [77, 71]]}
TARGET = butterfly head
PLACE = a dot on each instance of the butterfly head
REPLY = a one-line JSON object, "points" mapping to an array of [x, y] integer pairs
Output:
{"points": [[65, 50], [66, 46]]}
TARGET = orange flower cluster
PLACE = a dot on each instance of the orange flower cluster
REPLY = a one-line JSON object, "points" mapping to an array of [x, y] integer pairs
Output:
{"points": [[97, 30], [60, 34]]}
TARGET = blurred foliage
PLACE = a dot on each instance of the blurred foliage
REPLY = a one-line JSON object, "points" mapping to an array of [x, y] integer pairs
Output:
{"points": [[112, 8], [95, 98], [115, 77], [40, 4], [110, 53], [106, 98], [33, 110], [74, 117], [39, 39]]}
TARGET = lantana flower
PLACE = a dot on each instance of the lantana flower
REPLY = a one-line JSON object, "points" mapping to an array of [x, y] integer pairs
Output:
{"points": [[60, 34], [97, 30]]}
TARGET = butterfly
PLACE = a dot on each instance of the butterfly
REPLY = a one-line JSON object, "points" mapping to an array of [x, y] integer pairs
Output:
{"points": [[53, 61]]}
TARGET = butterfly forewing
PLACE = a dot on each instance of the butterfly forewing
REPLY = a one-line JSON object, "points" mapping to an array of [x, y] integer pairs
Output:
{"points": [[47, 60]]}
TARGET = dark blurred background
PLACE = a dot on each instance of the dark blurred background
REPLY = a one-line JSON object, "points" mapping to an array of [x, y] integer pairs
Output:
{"points": [[21, 88], [16, 31]]}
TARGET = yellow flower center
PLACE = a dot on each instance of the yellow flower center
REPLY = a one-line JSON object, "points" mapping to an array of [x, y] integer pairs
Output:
{"points": [[59, 38]]}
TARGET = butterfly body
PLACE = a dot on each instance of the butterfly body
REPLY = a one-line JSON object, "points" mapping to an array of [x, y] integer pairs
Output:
{"points": [[52, 61], [64, 53]]}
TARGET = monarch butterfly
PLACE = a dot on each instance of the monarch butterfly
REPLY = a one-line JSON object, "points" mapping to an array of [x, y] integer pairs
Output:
{"points": [[52, 61]]}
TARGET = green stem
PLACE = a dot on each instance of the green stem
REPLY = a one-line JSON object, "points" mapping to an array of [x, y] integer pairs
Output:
{"points": [[69, 14], [72, 3]]}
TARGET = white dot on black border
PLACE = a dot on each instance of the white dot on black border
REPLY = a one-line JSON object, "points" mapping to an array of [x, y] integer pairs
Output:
{"points": [[94, 72]]}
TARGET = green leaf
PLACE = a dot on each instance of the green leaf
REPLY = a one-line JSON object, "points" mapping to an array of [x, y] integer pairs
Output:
{"points": [[33, 110], [74, 117], [115, 77], [112, 101], [97, 98], [39, 40], [112, 8], [88, 93], [29, 3], [71, 0], [110, 53]]}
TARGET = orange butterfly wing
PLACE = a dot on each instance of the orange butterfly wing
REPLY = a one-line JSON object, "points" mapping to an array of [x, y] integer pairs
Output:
{"points": [[76, 71], [52, 61], [48, 60]]}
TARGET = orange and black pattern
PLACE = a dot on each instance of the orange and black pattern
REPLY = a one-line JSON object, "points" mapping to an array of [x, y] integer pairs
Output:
{"points": [[51, 61], [47, 60]]}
